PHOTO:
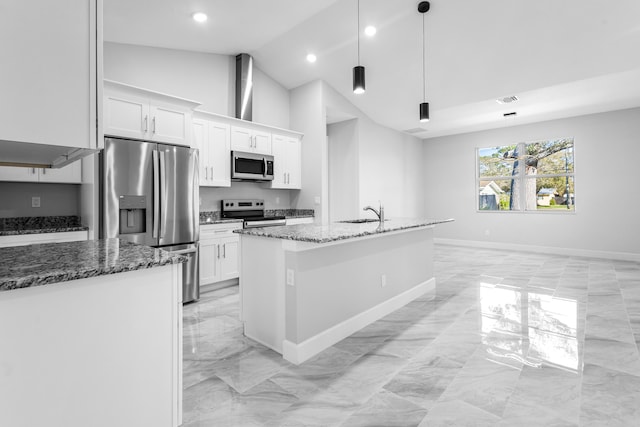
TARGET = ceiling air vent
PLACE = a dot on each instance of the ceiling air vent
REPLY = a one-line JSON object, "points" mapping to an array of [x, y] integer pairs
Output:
{"points": [[415, 130], [507, 99]]}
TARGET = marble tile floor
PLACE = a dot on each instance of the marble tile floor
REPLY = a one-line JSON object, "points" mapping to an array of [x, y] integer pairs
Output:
{"points": [[506, 339]]}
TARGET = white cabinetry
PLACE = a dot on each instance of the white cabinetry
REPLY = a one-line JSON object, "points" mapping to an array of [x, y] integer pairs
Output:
{"points": [[218, 252], [71, 174], [212, 139], [50, 56], [286, 163], [250, 140], [29, 239], [134, 112]]}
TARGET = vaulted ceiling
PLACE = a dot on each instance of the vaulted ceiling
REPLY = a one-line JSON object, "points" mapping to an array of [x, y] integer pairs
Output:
{"points": [[561, 58]]}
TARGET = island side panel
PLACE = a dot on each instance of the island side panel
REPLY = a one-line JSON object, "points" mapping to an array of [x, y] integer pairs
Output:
{"points": [[338, 288], [99, 351], [262, 275]]}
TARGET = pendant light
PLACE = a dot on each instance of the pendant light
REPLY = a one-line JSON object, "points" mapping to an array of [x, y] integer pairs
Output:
{"points": [[358, 71], [423, 7]]}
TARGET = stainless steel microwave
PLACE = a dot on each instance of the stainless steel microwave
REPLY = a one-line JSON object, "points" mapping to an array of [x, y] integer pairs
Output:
{"points": [[251, 166]]}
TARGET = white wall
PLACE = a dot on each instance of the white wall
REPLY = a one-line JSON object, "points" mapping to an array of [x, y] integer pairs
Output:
{"points": [[270, 101], [385, 164], [607, 198], [343, 169], [55, 199], [308, 117], [391, 171], [203, 77]]}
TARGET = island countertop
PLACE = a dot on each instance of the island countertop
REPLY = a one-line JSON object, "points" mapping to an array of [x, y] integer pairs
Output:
{"points": [[42, 264], [339, 230]]}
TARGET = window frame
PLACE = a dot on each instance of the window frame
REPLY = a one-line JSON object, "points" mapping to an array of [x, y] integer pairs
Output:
{"points": [[521, 179]]}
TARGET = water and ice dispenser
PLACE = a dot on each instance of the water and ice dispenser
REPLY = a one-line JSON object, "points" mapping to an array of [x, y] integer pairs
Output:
{"points": [[133, 214]]}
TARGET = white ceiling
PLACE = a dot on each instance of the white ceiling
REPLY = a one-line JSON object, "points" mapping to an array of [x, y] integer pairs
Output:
{"points": [[560, 57]]}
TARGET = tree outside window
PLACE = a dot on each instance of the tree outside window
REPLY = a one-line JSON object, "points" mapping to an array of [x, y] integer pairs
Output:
{"points": [[527, 176]]}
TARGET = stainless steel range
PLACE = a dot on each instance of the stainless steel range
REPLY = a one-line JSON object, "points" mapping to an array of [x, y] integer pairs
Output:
{"points": [[251, 211]]}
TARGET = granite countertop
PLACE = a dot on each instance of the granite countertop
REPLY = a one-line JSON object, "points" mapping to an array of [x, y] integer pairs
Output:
{"points": [[338, 230], [41, 224], [43, 264]]}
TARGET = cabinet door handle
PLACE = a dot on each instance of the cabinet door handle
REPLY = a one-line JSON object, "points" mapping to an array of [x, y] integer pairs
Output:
{"points": [[146, 123], [218, 251], [44, 171], [224, 248], [211, 172], [206, 173], [153, 125]]}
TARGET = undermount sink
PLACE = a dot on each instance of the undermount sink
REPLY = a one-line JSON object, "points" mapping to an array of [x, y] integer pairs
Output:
{"points": [[360, 220]]}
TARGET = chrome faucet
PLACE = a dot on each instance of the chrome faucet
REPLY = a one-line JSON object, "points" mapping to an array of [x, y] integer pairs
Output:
{"points": [[379, 212]]}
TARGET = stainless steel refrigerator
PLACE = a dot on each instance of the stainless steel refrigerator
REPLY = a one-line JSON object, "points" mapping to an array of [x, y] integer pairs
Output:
{"points": [[149, 194]]}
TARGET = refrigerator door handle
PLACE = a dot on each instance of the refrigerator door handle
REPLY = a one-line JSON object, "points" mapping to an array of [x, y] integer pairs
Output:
{"points": [[163, 190], [156, 194]]}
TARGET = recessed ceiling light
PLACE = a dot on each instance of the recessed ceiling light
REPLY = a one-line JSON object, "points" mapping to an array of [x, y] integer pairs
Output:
{"points": [[507, 99], [199, 17], [311, 58], [370, 30]]}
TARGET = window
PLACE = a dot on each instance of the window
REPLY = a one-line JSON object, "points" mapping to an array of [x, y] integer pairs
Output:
{"points": [[533, 176]]}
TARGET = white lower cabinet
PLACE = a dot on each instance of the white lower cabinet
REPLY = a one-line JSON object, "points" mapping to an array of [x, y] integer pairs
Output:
{"points": [[219, 252]]}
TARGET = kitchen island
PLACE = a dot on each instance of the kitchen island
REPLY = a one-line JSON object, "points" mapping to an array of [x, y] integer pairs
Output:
{"points": [[90, 334], [305, 287]]}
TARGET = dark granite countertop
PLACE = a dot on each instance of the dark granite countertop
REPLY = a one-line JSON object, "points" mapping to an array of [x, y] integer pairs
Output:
{"points": [[338, 230], [47, 263], [213, 217], [40, 224]]}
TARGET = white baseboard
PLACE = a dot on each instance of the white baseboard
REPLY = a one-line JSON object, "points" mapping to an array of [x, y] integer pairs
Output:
{"points": [[622, 256], [298, 353]]}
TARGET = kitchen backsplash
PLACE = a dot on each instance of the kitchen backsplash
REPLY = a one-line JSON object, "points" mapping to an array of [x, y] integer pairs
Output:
{"points": [[273, 199]]}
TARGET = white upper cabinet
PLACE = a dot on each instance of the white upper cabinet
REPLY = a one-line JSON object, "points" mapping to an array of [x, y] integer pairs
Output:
{"points": [[134, 112], [250, 140], [70, 174], [213, 141], [286, 162], [51, 62]]}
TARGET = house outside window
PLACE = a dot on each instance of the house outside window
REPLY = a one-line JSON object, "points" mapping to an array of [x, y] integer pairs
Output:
{"points": [[527, 177]]}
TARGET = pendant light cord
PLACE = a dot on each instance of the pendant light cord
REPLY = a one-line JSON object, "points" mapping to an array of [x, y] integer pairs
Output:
{"points": [[424, 77], [358, 32]]}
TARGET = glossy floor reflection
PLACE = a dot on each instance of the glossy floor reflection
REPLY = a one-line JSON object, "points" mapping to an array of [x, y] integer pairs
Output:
{"points": [[507, 339]]}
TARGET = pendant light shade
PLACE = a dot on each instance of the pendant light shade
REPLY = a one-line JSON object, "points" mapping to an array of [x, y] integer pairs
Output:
{"points": [[358, 79], [424, 112], [423, 7], [358, 71]]}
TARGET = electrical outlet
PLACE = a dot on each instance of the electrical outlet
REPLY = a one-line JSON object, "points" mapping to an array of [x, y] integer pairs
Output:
{"points": [[487, 232], [383, 280], [35, 202], [290, 279], [277, 200], [317, 200]]}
